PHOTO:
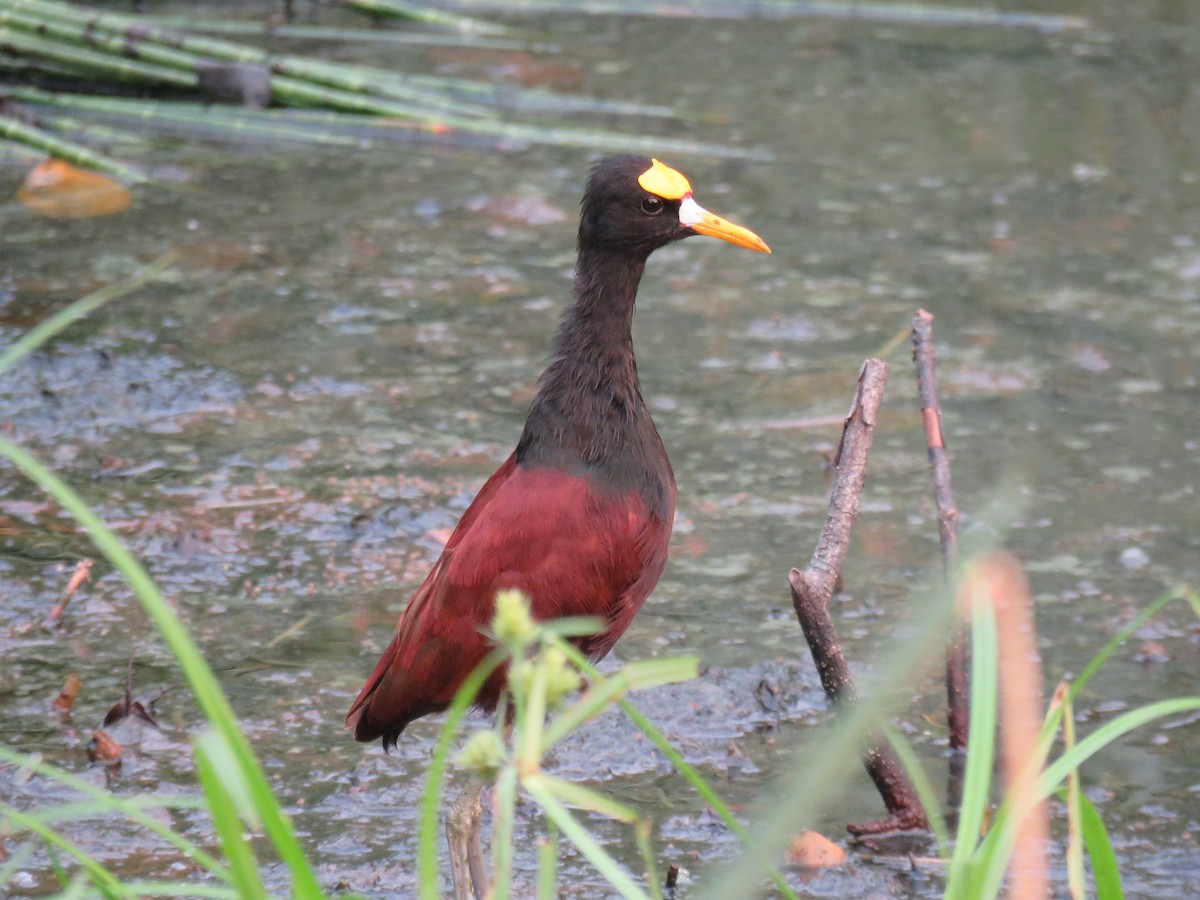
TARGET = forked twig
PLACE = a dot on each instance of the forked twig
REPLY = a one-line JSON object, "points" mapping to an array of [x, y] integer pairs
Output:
{"points": [[813, 588]]}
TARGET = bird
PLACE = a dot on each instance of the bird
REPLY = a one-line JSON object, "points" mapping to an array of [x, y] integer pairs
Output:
{"points": [[579, 516]]}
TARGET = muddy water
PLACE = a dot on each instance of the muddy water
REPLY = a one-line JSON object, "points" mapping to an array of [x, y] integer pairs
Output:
{"points": [[286, 426]]}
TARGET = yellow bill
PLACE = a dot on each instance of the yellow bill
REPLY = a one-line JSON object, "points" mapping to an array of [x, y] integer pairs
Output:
{"points": [[701, 221]]}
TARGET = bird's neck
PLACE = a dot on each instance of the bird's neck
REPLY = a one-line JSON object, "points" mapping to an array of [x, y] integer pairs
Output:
{"points": [[593, 350], [589, 413]]}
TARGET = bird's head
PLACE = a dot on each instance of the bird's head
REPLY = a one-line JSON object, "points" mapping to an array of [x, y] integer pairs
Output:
{"points": [[634, 205]]}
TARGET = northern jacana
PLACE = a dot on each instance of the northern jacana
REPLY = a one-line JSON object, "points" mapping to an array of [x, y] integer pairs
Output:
{"points": [[579, 516]]}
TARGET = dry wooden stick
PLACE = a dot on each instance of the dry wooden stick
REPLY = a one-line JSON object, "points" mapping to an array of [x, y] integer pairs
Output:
{"points": [[957, 698], [80, 575], [813, 588]]}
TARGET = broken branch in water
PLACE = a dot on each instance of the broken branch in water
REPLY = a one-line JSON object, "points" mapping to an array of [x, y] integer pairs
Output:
{"points": [[958, 712], [813, 588]]}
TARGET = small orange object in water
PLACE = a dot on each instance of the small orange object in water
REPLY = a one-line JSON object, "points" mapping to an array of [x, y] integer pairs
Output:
{"points": [[812, 849], [58, 190], [70, 690]]}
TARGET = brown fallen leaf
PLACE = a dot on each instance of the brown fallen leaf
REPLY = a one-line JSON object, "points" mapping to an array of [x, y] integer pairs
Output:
{"points": [[812, 849], [58, 190], [70, 690], [102, 748]]}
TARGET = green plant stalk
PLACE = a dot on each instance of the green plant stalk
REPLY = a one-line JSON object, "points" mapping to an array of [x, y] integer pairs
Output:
{"points": [[120, 38], [1106, 874], [209, 696], [981, 744], [295, 90], [899, 13], [582, 839], [418, 12], [993, 849], [1101, 657], [1056, 773], [580, 797], [94, 61], [131, 808], [107, 43], [539, 100], [310, 126], [243, 867], [924, 788], [330, 33], [77, 154], [502, 833], [59, 872], [427, 827], [73, 888], [547, 864], [47, 329], [106, 881], [1075, 874], [530, 724], [684, 768], [642, 831], [632, 676]]}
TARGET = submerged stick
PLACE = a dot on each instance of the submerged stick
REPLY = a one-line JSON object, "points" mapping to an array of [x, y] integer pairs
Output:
{"points": [[813, 588], [957, 697]]}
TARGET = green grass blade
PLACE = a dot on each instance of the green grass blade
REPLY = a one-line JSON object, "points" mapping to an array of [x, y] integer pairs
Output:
{"points": [[1122, 636], [630, 677], [642, 831], [1075, 874], [199, 676], [425, 14], [580, 797], [1106, 874], [132, 808], [431, 801], [1000, 841], [45, 330], [684, 768], [211, 759], [608, 867], [502, 833], [923, 786], [28, 135], [547, 864], [1057, 771], [981, 748], [105, 881]]}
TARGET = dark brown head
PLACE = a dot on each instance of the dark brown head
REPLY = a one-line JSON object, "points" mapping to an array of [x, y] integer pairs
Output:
{"points": [[633, 205]]}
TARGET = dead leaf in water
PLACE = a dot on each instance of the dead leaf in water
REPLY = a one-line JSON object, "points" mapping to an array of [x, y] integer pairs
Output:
{"points": [[58, 190], [102, 748], [70, 690]]}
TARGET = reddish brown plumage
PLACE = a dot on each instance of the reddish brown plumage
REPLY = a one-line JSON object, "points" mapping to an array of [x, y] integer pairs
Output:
{"points": [[579, 517], [573, 551]]}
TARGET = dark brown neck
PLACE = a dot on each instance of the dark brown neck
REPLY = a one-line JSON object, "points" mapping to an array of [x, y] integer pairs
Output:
{"points": [[589, 416]]}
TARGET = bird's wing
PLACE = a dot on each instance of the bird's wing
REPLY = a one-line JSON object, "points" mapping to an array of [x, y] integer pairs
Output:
{"points": [[573, 549]]}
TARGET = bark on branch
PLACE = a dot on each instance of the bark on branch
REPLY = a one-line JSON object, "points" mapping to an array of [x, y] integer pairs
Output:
{"points": [[957, 697], [813, 588]]}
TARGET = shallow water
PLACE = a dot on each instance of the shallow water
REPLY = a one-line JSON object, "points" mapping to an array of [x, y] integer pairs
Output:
{"points": [[285, 428]]}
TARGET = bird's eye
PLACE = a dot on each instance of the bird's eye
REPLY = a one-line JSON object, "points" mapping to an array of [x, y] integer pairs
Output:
{"points": [[652, 206]]}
